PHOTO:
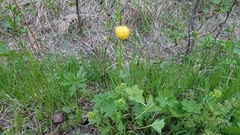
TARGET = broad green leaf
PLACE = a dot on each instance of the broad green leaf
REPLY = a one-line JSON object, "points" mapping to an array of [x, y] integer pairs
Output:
{"points": [[158, 125], [121, 127], [67, 109], [233, 130], [175, 114], [138, 109], [166, 98], [98, 100], [109, 108], [190, 105], [135, 94], [166, 101], [151, 107]]}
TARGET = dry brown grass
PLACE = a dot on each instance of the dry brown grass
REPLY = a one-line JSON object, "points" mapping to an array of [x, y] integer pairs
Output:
{"points": [[56, 27]]}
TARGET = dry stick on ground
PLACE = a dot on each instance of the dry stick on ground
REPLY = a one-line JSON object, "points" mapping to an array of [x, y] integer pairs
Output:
{"points": [[78, 16], [190, 27], [26, 24]]}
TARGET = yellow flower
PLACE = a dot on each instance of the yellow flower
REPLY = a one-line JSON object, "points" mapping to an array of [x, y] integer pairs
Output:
{"points": [[122, 32]]}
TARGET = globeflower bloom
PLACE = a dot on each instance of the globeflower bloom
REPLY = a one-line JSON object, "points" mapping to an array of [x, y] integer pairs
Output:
{"points": [[122, 32]]}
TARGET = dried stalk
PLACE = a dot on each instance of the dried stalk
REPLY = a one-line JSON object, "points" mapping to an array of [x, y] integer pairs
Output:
{"points": [[191, 27], [28, 27], [78, 16]]}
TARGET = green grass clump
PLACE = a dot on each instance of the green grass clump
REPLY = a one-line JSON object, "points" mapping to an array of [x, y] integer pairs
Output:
{"points": [[194, 94], [146, 84]]}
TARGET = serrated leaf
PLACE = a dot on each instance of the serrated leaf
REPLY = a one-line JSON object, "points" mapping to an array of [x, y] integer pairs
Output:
{"points": [[190, 105], [135, 94], [109, 108], [151, 107], [158, 125], [165, 101], [166, 98]]}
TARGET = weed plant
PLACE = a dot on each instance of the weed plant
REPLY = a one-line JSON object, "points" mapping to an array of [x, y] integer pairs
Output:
{"points": [[194, 93]]}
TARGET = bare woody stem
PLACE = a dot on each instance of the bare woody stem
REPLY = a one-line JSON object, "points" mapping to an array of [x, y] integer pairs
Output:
{"points": [[78, 16], [29, 29], [191, 27]]}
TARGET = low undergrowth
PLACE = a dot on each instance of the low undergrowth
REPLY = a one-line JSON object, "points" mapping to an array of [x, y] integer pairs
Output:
{"points": [[173, 70], [194, 94]]}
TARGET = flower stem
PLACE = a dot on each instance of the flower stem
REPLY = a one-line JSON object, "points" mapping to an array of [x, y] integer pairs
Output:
{"points": [[119, 57], [119, 60]]}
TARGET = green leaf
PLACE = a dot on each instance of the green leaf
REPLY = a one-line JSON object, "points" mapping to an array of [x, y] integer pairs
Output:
{"points": [[121, 127], [190, 105], [81, 85], [217, 2], [67, 76], [124, 75], [70, 4], [166, 98], [138, 109], [73, 89], [3, 49], [65, 83], [158, 125], [233, 130], [109, 108], [81, 74], [135, 94], [175, 114], [67, 109], [165, 101], [151, 107]]}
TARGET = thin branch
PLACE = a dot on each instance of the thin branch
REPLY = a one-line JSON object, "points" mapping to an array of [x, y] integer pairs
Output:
{"points": [[78, 16], [225, 20], [3, 32], [190, 27], [26, 24], [220, 26], [207, 19]]}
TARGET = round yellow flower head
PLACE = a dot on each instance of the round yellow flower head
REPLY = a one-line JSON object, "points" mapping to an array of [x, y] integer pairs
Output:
{"points": [[122, 32]]}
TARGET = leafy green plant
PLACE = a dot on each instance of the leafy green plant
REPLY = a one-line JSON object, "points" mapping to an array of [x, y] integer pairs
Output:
{"points": [[76, 85], [74, 81], [12, 24], [125, 111]]}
